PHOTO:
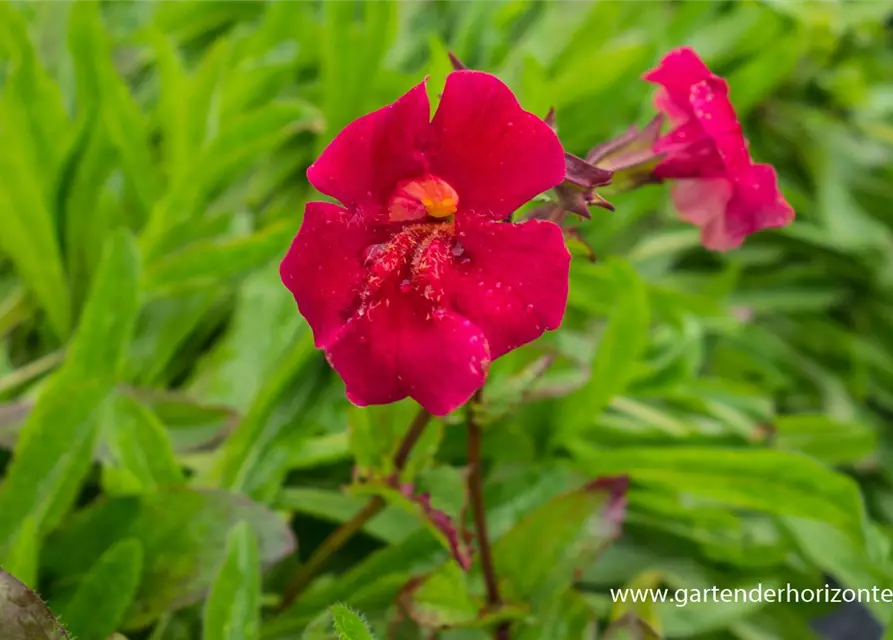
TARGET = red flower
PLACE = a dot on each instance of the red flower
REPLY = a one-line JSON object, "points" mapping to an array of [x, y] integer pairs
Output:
{"points": [[416, 283], [719, 187]]}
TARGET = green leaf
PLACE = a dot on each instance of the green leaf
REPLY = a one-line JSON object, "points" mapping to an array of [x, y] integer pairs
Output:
{"points": [[831, 441], [225, 158], [89, 205], [173, 102], [21, 559], [23, 615], [777, 482], [630, 627], [351, 51], [620, 346], [264, 319], [375, 434], [642, 613], [538, 556], [445, 527], [319, 451], [164, 329], [106, 324], [56, 443], [348, 624], [212, 263], [101, 89], [756, 80], [392, 525], [831, 551], [33, 128], [105, 592], [232, 611], [250, 455], [141, 455], [567, 615], [443, 600], [184, 535]]}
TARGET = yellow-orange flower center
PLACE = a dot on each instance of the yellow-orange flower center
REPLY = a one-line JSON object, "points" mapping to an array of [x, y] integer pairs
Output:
{"points": [[427, 196]]}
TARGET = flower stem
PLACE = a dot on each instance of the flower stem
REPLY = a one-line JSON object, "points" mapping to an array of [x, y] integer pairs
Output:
{"points": [[476, 497], [339, 537]]}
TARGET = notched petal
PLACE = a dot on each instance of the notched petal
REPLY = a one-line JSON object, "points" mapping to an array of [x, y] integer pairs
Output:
{"points": [[365, 161], [494, 153]]}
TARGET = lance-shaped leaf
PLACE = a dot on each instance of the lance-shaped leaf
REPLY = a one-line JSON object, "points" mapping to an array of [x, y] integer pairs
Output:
{"points": [[183, 534], [232, 611], [637, 619], [106, 592], [447, 599], [542, 553], [55, 446], [444, 524], [449, 530], [778, 482]]}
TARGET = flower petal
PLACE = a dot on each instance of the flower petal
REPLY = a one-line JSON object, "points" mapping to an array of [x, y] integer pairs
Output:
{"points": [[324, 266], [511, 280], [716, 115], [443, 361], [757, 203], [494, 154], [363, 164], [701, 201], [402, 347], [689, 153], [677, 72]]}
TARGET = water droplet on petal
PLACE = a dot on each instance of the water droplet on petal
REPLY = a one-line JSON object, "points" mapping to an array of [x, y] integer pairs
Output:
{"points": [[405, 286], [458, 249], [439, 314]]}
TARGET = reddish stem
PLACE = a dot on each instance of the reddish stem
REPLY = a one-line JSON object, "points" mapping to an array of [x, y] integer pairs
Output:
{"points": [[339, 537], [476, 497]]}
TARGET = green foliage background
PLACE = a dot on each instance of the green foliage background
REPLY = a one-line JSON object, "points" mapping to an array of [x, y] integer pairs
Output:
{"points": [[167, 429]]}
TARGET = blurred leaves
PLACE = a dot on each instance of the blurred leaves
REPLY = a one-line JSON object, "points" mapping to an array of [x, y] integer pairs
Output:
{"points": [[184, 535], [774, 481], [540, 555], [106, 592], [56, 443], [232, 611]]}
